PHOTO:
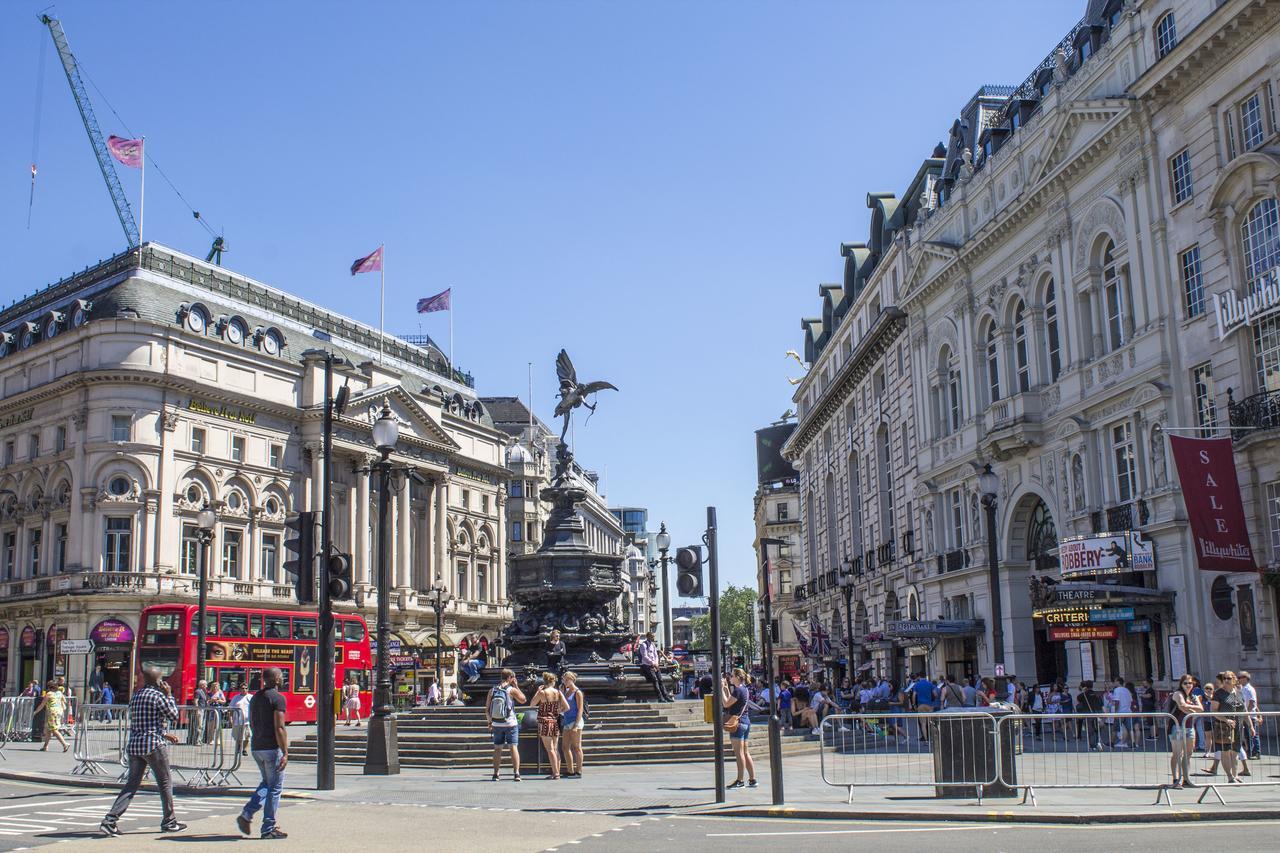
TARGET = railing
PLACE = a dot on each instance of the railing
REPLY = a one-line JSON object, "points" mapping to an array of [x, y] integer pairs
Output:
{"points": [[953, 561], [886, 554], [1120, 517], [1259, 412], [206, 752]]}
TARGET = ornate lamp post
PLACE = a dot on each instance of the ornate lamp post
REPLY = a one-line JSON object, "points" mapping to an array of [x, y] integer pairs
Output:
{"points": [[206, 519], [664, 544], [382, 756], [847, 580], [988, 485], [439, 600]]}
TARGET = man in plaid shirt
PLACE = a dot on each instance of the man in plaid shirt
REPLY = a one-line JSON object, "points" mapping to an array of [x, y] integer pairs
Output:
{"points": [[150, 711]]}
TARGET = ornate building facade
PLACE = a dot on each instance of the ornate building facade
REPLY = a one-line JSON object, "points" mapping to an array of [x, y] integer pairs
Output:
{"points": [[1067, 267], [141, 388]]}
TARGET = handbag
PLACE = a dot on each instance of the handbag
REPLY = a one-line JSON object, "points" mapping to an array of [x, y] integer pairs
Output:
{"points": [[730, 724]]}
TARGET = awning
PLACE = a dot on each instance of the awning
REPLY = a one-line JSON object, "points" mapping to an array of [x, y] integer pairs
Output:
{"points": [[406, 640], [910, 629], [427, 640]]}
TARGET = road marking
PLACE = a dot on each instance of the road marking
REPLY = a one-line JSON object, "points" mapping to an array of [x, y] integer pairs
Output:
{"points": [[845, 831]]}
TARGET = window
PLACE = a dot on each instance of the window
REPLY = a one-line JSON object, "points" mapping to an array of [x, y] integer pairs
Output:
{"points": [[1192, 282], [119, 486], [59, 547], [115, 550], [1273, 518], [121, 427], [304, 629], [515, 489], [60, 440], [993, 362], [855, 504], [462, 590], [270, 557], [784, 511], [1020, 347], [466, 499], [1122, 453], [1202, 385], [275, 627], [1113, 293], [231, 541], [1052, 337], [885, 452], [1260, 234], [34, 537], [955, 508], [517, 531], [352, 631], [829, 500], [189, 550], [8, 452], [233, 624], [1180, 175], [1166, 35], [484, 504], [197, 440], [784, 582], [237, 448], [275, 455], [10, 553], [33, 446], [482, 585], [1252, 131]]}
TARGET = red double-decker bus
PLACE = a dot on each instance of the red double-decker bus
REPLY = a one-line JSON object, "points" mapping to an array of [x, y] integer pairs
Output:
{"points": [[241, 642]]}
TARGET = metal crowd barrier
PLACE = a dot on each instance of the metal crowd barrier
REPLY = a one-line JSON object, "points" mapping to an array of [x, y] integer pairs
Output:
{"points": [[902, 749], [1241, 749], [16, 717], [207, 751]]}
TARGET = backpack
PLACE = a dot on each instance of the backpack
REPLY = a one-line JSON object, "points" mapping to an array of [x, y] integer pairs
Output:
{"points": [[499, 705]]}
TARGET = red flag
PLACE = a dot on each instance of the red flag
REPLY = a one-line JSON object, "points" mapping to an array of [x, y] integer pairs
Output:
{"points": [[369, 263], [1211, 492], [127, 151]]}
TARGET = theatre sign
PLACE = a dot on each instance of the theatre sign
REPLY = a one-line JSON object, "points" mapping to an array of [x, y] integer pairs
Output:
{"points": [[1106, 554]]}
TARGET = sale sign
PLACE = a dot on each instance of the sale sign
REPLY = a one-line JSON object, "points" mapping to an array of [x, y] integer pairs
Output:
{"points": [[1207, 469]]}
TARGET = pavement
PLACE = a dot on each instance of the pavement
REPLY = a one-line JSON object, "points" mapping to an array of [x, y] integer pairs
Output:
{"points": [[685, 789]]}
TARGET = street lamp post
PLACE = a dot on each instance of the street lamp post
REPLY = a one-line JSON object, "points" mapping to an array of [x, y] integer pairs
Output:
{"points": [[382, 756], [846, 583], [439, 601], [664, 543], [988, 484], [206, 519], [766, 641]]}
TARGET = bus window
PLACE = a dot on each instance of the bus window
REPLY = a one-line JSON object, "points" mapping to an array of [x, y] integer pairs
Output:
{"points": [[233, 625], [284, 680], [304, 629], [352, 631], [165, 660], [162, 621], [255, 626], [277, 628], [233, 680]]}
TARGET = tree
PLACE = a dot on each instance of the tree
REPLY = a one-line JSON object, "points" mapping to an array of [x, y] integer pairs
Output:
{"points": [[737, 619]]}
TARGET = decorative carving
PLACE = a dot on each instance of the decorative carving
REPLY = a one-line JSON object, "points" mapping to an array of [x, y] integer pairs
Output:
{"points": [[1061, 69], [1104, 215], [1077, 483], [79, 418], [1159, 471], [169, 420]]}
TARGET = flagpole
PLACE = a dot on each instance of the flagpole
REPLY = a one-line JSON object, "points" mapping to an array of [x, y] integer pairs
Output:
{"points": [[382, 299], [142, 206], [531, 409], [451, 367]]}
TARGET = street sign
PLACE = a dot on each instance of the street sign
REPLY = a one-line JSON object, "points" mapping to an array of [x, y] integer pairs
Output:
{"points": [[75, 647], [999, 670]]}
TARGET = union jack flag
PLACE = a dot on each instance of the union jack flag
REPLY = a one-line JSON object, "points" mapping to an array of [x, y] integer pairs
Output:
{"points": [[821, 639], [800, 637]]}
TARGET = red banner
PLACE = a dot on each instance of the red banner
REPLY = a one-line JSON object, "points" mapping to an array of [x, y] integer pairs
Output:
{"points": [[1211, 492]]}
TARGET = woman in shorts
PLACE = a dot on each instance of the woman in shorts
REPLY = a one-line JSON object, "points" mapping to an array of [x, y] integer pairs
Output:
{"points": [[734, 698], [575, 719]]}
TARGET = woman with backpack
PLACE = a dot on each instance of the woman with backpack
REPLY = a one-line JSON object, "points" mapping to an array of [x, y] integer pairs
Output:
{"points": [[550, 703], [574, 720]]}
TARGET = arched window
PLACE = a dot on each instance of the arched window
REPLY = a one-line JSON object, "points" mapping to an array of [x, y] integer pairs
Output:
{"points": [[993, 362], [832, 559], [1113, 295], [950, 411], [811, 523], [855, 506], [1166, 35], [1260, 235], [884, 456], [1021, 361], [1042, 539], [1053, 339]]}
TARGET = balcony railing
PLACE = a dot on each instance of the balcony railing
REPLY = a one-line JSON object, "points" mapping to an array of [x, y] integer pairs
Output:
{"points": [[886, 554], [1259, 412], [953, 561]]}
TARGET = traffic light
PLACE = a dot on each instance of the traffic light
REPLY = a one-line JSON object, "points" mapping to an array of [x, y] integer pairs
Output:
{"points": [[300, 544], [689, 572], [340, 579]]}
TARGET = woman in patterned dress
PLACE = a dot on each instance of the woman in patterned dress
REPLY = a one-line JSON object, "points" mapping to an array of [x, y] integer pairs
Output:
{"points": [[550, 703]]}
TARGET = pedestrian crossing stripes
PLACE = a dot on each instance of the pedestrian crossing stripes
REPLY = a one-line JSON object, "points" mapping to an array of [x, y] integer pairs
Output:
{"points": [[85, 813]]}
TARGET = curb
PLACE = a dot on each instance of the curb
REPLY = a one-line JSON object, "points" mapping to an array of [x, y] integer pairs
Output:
{"points": [[1169, 816], [105, 784]]}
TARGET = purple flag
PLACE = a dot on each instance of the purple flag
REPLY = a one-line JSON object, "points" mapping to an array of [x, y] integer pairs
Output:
{"points": [[369, 263], [439, 302], [127, 151]]}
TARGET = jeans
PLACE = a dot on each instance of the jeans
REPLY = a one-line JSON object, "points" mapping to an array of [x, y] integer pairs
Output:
{"points": [[653, 677], [267, 795], [158, 761], [472, 668]]}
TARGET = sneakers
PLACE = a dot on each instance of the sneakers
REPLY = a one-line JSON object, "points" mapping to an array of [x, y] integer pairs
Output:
{"points": [[172, 826], [738, 784], [751, 783], [274, 834], [109, 827], [246, 826]]}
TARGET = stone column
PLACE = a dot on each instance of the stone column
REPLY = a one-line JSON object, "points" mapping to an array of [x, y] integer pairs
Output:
{"points": [[499, 567], [403, 524], [364, 569], [441, 538], [422, 552]]}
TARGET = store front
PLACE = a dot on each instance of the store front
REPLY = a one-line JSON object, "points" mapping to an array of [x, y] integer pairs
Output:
{"points": [[4, 658], [956, 641], [113, 651], [55, 662], [428, 653], [28, 653]]}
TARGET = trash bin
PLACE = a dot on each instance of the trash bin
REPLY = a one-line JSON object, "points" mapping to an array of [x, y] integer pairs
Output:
{"points": [[965, 752], [530, 747]]}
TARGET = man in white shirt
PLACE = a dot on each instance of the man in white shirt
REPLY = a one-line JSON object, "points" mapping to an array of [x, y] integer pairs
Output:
{"points": [[1249, 694], [1122, 701]]}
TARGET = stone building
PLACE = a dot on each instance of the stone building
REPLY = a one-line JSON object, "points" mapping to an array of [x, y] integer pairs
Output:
{"points": [[1067, 266], [151, 383], [777, 516]]}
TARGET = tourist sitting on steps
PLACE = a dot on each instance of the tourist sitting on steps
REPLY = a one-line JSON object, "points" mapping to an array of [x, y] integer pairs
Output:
{"points": [[473, 663]]}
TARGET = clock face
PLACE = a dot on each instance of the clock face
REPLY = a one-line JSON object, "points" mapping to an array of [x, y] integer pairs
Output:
{"points": [[78, 317], [195, 321], [270, 344], [235, 333]]}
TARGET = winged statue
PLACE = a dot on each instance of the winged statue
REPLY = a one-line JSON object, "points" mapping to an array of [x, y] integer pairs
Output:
{"points": [[572, 392]]}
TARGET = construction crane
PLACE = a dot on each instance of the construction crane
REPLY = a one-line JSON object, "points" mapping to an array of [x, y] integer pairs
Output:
{"points": [[91, 127]]}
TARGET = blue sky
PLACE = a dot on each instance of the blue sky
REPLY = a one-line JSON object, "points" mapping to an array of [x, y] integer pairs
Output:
{"points": [[659, 187]]}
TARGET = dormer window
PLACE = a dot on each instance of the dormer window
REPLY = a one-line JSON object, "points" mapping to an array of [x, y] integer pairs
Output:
{"points": [[29, 333], [80, 313], [196, 318], [234, 331], [269, 340], [53, 323]]}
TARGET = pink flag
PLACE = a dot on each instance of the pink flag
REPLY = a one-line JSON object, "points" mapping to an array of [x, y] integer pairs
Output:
{"points": [[439, 302], [369, 263], [127, 151]]}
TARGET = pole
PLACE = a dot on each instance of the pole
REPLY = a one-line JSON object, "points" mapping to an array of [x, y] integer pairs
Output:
{"points": [[206, 538], [717, 705], [382, 300], [451, 346], [667, 635], [848, 630], [997, 614], [142, 198], [325, 718], [439, 671], [382, 755], [775, 724]]}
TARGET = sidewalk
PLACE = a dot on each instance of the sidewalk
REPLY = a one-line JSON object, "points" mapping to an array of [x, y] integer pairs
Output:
{"points": [[689, 789]]}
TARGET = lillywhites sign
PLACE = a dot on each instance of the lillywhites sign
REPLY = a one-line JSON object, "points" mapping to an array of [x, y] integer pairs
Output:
{"points": [[1106, 554], [1234, 313], [1211, 492], [218, 411]]}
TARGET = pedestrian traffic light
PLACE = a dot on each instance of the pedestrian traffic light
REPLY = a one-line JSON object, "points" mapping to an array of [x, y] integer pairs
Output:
{"points": [[340, 579], [689, 572], [300, 544]]}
